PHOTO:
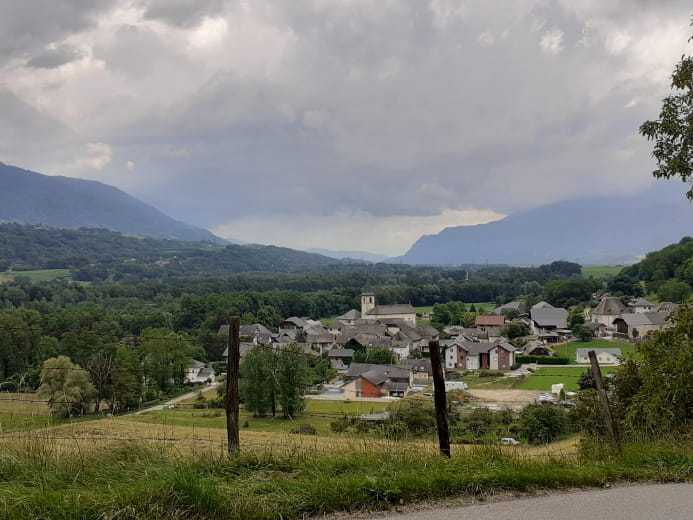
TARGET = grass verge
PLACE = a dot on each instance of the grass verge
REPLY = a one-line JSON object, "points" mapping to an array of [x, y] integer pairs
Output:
{"points": [[143, 481]]}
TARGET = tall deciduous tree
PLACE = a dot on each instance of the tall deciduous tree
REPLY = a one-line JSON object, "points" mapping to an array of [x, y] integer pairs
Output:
{"points": [[66, 386], [672, 132]]}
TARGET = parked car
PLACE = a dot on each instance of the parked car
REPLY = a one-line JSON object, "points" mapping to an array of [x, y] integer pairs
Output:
{"points": [[546, 399], [567, 404], [509, 441]]}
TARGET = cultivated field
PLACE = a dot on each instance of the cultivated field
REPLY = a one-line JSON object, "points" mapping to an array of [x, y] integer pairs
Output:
{"points": [[39, 275]]}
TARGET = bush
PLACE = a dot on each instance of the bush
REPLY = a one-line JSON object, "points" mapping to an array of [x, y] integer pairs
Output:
{"points": [[543, 360], [543, 424], [305, 429], [491, 373]]}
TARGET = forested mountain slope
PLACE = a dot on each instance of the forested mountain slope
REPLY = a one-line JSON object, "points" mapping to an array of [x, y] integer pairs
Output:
{"points": [[36, 247], [31, 198]]}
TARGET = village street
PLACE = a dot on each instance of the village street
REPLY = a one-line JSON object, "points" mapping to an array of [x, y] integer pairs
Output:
{"points": [[642, 502]]}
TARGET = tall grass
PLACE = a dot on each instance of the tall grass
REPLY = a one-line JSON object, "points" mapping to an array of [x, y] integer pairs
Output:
{"points": [[140, 480]]}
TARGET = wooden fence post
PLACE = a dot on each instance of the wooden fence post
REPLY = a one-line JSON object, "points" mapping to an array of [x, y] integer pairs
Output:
{"points": [[604, 399], [440, 399], [232, 376]]}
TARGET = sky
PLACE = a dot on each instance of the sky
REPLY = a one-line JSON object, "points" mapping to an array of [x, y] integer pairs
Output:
{"points": [[342, 124]]}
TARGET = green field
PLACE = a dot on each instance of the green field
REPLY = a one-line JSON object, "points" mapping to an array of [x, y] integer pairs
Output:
{"points": [[480, 307], [41, 275], [544, 377], [599, 271], [568, 349], [318, 414]]}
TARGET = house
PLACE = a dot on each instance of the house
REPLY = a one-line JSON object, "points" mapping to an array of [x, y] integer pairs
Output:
{"points": [[641, 325], [514, 307], [421, 368], [598, 329], [368, 380], [667, 307], [491, 325], [350, 317], [341, 358], [535, 348], [641, 305], [605, 356], [548, 319], [469, 334], [259, 334], [369, 309], [474, 356], [609, 307], [198, 372]]}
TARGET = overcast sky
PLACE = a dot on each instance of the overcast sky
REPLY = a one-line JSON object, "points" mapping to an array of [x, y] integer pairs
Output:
{"points": [[345, 124]]}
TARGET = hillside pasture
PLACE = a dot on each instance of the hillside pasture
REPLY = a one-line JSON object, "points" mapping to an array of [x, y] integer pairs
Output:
{"points": [[600, 271], [38, 275], [22, 404], [568, 349], [544, 377]]}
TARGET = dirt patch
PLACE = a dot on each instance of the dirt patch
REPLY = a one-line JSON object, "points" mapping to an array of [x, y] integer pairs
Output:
{"points": [[514, 399]]}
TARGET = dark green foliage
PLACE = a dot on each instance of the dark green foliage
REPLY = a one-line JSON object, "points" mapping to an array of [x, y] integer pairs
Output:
{"points": [[582, 333], [418, 417], [304, 429], [672, 132], [654, 389], [566, 293], [274, 377], [671, 266], [543, 424], [514, 329], [543, 360], [378, 356]]}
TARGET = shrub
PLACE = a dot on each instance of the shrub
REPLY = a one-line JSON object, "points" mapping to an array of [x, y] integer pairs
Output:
{"points": [[543, 360], [543, 424], [305, 429]]}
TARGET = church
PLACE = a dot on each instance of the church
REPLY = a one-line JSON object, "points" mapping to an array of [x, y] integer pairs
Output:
{"points": [[369, 310]]}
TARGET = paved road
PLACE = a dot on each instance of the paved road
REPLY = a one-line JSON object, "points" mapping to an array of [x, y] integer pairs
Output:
{"points": [[174, 400], [642, 502]]}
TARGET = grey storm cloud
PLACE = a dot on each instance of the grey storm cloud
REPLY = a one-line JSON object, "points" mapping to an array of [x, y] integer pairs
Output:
{"points": [[28, 26], [184, 13], [389, 108], [51, 58]]}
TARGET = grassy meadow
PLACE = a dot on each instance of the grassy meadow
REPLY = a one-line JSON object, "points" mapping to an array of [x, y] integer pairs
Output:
{"points": [[39, 275], [568, 349], [600, 271], [160, 480], [544, 377]]}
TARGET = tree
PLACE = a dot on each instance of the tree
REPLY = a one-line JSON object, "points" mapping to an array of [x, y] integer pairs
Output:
{"points": [[514, 329], [126, 381], [377, 356], [66, 386], [672, 132], [291, 377], [674, 291], [582, 333], [543, 423], [654, 389], [258, 386]]}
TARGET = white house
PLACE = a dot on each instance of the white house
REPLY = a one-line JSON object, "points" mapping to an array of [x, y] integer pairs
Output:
{"points": [[605, 356]]}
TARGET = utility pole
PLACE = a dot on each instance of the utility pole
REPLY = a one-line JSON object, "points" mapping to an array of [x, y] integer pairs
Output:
{"points": [[604, 399], [440, 398], [232, 375]]}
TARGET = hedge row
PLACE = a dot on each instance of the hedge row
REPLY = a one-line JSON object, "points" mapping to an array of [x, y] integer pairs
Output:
{"points": [[542, 360]]}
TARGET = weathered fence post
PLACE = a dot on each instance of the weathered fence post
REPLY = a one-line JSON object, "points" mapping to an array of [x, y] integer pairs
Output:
{"points": [[604, 399], [440, 398], [232, 376]]}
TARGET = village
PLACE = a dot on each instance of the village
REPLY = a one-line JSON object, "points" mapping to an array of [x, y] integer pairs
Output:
{"points": [[466, 350]]}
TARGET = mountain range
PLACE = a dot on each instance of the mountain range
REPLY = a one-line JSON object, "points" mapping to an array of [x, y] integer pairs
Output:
{"points": [[601, 230], [28, 197]]}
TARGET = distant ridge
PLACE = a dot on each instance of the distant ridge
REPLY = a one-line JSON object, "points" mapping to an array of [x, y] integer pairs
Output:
{"points": [[353, 255], [598, 231], [28, 197]]}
